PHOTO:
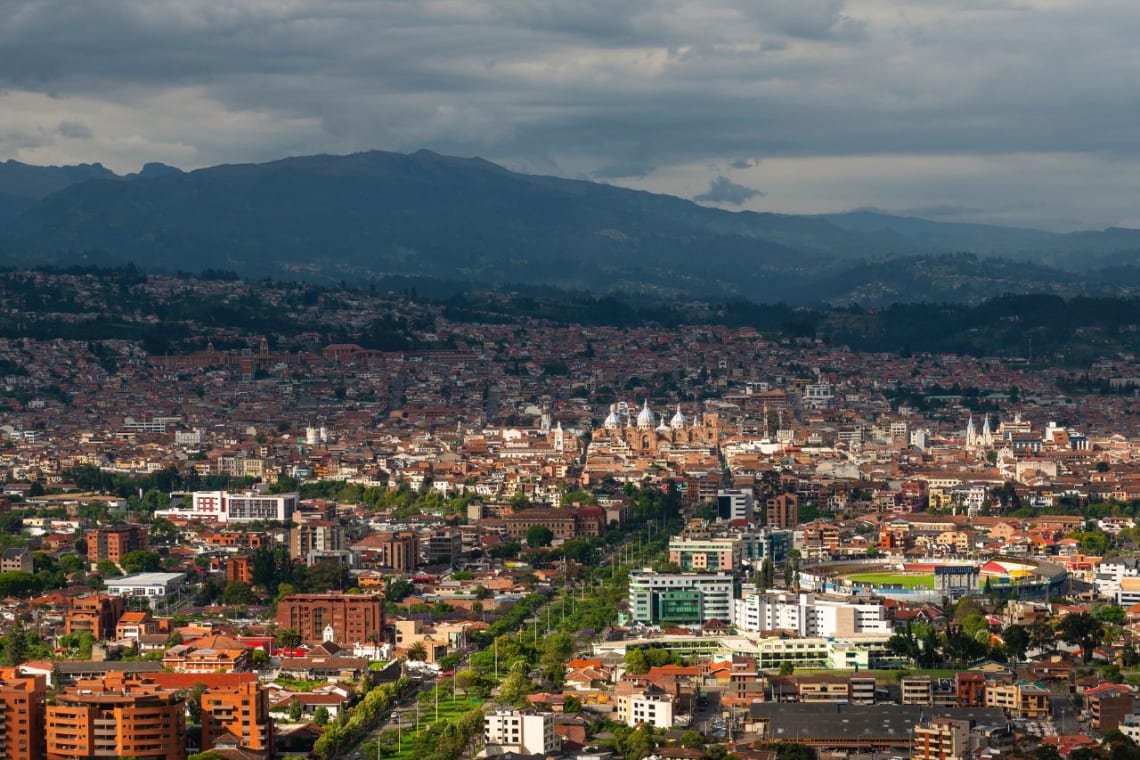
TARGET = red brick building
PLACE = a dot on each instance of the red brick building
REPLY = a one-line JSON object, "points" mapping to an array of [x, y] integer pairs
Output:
{"points": [[352, 617]]}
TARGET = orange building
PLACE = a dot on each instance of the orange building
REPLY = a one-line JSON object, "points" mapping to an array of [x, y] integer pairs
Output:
{"points": [[353, 617], [112, 543], [239, 568], [210, 654], [95, 613], [116, 717], [21, 715], [240, 711]]}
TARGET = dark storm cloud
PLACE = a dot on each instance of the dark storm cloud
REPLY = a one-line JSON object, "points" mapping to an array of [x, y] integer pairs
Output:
{"points": [[631, 90], [724, 190]]}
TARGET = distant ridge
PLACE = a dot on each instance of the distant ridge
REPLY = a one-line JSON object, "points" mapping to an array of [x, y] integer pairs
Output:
{"points": [[376, 214]]}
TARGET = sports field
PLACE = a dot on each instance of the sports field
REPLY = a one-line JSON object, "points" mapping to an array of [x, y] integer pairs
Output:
{"points": [[905, 580]]}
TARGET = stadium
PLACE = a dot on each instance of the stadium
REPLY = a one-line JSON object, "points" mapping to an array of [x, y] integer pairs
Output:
{"points": [[933, 579]]}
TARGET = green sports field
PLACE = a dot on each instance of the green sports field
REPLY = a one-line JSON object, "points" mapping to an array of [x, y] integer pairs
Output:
{"points": [[895, 579]]}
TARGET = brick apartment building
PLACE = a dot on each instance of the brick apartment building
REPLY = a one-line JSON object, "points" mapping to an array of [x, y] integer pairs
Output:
{"points": [[21, 715], [116, 717], [395, 551], [243, 712], [583, 522], [113, 542], [95, 613], [352, 617], [315, 536], [783, 511]]}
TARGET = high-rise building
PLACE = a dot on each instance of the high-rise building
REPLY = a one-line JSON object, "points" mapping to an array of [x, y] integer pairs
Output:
{"points": [[735, 504], [443, 545], [21, 715], [680, 598], [96, 614], [315, 536], [783, 511], [113, 542], [519, 731], [345, 618], [242, 711], [116, 717]]}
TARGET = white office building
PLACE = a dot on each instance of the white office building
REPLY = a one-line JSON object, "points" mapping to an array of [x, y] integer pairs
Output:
{"points": [[159, 589], [680, 598], [227, 507], [524, 732], [809, 616], [735, 505]]}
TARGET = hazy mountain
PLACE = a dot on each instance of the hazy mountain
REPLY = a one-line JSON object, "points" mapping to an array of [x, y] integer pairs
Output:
{"points": [[27, 181], [376, 214]]}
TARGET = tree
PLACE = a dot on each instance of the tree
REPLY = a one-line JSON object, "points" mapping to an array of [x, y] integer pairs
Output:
{"points": [[140, 561], [295, 711], [539, 535], [1016, 640], [328, 575], [1081, 629], [636, 663], [767, 573], [516, 686], [288, 638], [787, 668], [107, 569], [260, 658], [417, 652], [238, 592], [321, 716], [398, 590]]}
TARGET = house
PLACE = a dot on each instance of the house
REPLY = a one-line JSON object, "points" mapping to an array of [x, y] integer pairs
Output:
{"points": [[16, 559]]}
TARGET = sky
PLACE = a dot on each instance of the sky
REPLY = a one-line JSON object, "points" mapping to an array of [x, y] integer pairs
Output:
{"points": [[1021, 112]]}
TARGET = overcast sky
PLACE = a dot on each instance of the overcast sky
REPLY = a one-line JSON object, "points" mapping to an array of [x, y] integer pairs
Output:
{"points": [[1008, 111]]}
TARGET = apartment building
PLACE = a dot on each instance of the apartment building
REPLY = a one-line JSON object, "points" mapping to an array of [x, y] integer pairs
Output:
{"points": [[680, 598], [783, 511], [315, 536], [343, 618], [241, 711], [971, 689], [809, 615], [917, 690], [1019, 700], [21, 715], [709, 554], [18, 559], [96, 614], [230, 507], [443, 546], [394, 551], [942, 739], [113, 542], [519, 731], [739, 504], [1108, 704], [116, 717]]}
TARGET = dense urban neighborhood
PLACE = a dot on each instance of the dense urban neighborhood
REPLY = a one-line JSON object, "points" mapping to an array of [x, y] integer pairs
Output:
{"points": [[258, 520]]}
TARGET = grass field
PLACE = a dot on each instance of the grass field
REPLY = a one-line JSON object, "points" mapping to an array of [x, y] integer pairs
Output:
{"points": [[897, 579]]}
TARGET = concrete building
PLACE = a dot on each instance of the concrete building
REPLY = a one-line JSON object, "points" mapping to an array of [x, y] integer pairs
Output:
{"points": [[443, 546], [240, 711], [737, 504], [942, 739], [519, 731], [345, 618], [783, 511], [710, 554], [315, 536], [113, 542], [227, 507], [680, 598], [394, 551], [809, 615], [21, 715], [96, 614], [18, 559], [159, 589], [917, 690], [116, 717], [1108, 704]]}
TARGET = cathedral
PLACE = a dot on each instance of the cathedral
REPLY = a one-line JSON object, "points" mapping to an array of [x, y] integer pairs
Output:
{"points": [[976, 440], [650, 434]]}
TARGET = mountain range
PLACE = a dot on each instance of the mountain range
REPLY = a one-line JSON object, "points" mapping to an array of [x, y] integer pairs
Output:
{"points": [[377, 214]]}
